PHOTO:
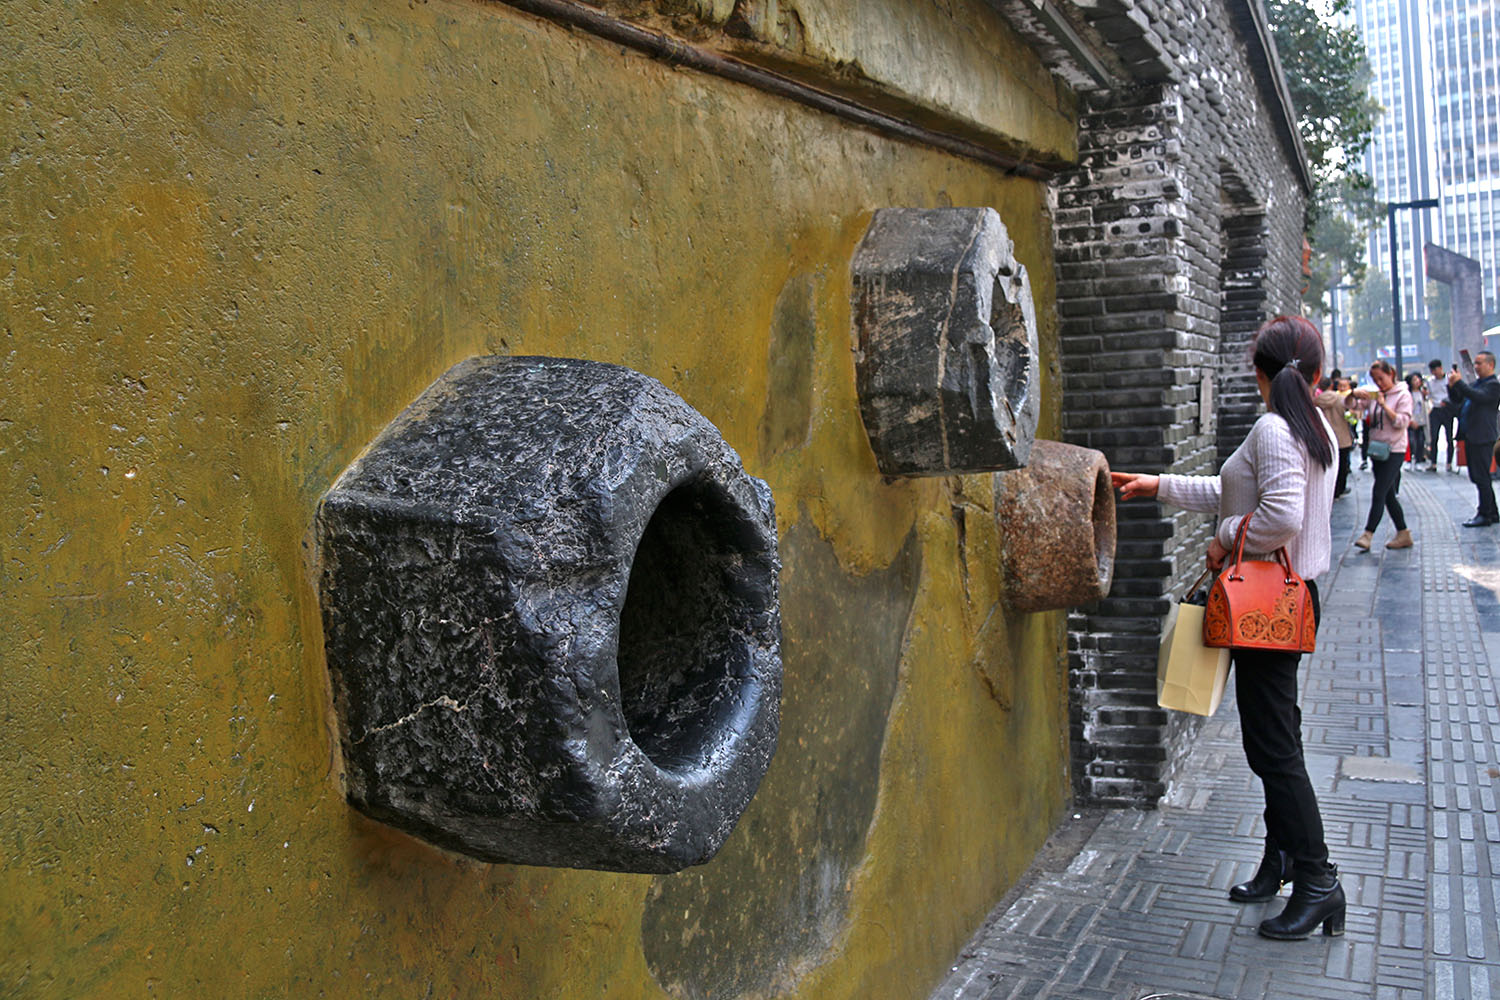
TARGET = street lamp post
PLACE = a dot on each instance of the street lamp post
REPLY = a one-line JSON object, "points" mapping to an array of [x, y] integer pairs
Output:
{"points": [[1390, 213]]}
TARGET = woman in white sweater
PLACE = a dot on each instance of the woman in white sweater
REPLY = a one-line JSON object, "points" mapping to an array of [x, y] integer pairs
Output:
{"points": [[1283, 474]]}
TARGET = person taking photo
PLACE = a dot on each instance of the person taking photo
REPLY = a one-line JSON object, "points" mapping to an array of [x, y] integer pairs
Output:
{"points": [[1479, 428], [1388, 416]]}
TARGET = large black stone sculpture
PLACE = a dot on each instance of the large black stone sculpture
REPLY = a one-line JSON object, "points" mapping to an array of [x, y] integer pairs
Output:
{"points": [[550, 611], [946, 343]]}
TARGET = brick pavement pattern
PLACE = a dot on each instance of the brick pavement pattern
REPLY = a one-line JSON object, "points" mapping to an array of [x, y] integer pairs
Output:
{"points": [[1400, 721]]}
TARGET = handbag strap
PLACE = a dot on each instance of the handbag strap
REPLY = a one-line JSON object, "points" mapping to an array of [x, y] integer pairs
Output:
{"points": [[1239, 553], [1202, 577]]}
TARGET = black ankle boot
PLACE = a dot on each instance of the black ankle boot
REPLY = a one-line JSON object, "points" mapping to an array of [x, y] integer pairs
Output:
{"points": [[1274, 872], [1316, 899]]}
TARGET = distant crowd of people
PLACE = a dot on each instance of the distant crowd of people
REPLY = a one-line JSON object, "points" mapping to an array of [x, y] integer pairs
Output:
{"points": [[1404, 423], [1272, 500]]}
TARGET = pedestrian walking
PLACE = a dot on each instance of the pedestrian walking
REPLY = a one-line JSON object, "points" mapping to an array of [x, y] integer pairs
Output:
{"points": [[1360, 404], [1345, 388], [1390, 413], [1479, 428], [1443, 415], [1331, 402], [1421, 411], [1283, 474]]}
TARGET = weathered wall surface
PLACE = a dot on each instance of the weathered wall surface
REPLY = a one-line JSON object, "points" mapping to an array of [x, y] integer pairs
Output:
{"points": [[936, 63], [237, 241]]}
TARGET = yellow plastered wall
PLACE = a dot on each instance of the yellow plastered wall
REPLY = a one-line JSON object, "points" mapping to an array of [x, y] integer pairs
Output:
{"points": [[237, 240]]}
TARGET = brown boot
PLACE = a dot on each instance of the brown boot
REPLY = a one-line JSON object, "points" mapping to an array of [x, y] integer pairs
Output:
{"points": [[1363, 541], [1402, 540]]}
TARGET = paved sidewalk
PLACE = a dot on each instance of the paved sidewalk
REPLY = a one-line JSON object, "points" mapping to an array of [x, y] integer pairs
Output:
{"points": [[1400, 722]]}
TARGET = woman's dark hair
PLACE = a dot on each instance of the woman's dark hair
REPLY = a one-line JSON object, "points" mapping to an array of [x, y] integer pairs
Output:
{"points": [[1382, 365], [1324, 383], [1289, 350]]}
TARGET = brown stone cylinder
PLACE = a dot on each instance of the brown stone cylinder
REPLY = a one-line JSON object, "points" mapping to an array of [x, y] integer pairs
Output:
{"points": [[1057, 525]]}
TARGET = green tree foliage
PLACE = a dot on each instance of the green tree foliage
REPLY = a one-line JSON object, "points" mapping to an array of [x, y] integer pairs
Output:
{"points": [[1369, 320], [1328, 74], [1337, 234]]}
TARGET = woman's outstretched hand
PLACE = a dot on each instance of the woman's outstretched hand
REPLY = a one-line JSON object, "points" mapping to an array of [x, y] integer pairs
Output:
{"points": [[1134, 484]]}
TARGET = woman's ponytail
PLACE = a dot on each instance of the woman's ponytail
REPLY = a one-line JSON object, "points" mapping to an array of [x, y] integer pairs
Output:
{"points": [[1289, 350]]}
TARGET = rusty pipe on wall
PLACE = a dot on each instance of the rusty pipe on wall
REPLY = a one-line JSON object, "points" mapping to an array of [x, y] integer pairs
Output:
{"points": [[1057, 522]]}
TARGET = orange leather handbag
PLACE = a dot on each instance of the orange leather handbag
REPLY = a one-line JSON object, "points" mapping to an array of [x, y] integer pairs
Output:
{"points": [[1256, 604]]}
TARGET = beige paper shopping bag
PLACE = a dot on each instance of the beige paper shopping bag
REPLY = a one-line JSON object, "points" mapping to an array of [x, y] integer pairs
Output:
{"points": [[1190, 676]]}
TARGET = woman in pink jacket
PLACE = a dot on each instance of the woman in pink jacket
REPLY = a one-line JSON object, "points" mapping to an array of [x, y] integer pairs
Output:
{"points": [[1390, 415]]}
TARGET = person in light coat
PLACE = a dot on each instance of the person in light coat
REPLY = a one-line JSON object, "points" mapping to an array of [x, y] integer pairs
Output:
{"points": [[1421, 413], [1281, 477], [1331, 402], [1444, 414]]}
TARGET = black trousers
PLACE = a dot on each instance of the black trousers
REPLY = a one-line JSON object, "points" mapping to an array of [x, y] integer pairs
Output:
{"points": [[1478, 454], [1265, 685], [1418, 436], [1441, 418], [1383, 496], [1342, 486]]}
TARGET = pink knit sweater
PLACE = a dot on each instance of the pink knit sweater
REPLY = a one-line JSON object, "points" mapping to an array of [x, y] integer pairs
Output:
{"points": [[1383, 428], [1271, 476]]}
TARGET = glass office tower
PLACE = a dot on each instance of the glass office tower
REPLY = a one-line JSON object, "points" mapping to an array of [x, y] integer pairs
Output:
{"points": [[1402, 157], [1466, 130], [1434, 65]]}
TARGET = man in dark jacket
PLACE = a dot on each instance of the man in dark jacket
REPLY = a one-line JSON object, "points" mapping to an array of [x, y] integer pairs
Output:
{"points": [[1479, 426]]}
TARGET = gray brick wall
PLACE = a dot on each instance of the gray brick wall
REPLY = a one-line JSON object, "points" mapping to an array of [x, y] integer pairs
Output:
{"points": [[1177, 235]]}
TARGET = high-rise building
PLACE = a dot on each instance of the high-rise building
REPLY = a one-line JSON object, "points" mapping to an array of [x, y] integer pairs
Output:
{"points": [[1434, 65], [1402, 158], [1466, 130]]}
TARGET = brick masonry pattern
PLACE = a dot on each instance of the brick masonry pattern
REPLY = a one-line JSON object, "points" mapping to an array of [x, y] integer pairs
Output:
{"points": [[1178, 234]]}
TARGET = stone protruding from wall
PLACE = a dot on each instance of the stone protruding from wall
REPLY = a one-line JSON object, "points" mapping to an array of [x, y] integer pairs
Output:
{"points": [[550, 609], [1057, 519], [946, 343], [1466, 278]]}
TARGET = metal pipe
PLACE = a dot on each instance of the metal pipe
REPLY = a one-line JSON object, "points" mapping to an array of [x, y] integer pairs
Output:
{"points": [[679, 53], [1390, 213]]}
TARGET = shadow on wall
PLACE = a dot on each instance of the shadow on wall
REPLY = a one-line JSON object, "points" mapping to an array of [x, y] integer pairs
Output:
{"points": [[774, 899]]}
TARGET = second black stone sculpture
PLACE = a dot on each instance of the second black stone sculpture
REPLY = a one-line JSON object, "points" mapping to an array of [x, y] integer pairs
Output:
{"points": [[550, 609], [946, 343]]}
